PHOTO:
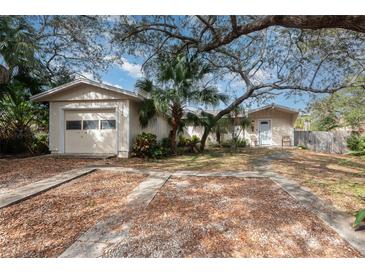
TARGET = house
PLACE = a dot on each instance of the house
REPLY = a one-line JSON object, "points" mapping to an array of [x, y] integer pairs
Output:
{"points": [[272, 125], [87, 117]]}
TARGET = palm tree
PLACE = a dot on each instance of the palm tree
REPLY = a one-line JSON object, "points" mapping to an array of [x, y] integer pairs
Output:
{"points": [[20, 119], [227, 123], [180, 82], [19, 62]]}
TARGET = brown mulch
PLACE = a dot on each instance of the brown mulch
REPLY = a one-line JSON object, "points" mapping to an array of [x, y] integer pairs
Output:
{"points": [[45, 225], [19, 172], [215, 217]]}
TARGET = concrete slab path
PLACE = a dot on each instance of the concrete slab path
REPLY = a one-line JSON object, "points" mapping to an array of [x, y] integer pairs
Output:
{"points": [[25, 192], [115, 228], [102, 236], [337, 220]]}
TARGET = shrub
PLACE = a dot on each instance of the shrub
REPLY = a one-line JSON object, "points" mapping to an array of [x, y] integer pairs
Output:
{"points": [[189, 144], [183, 141], [166, 146], [359, 217], [40, 143], [238, 142], [241, 142], [146, 146], [194, 140], [301, 146], [356, 144]]}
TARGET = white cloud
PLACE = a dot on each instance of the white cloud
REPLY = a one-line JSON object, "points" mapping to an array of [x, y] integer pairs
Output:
{"points": [[261, 76], [134, 70], [87, 75], [113, 85]]}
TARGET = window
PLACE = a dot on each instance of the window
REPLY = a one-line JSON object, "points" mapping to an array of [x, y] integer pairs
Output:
{"points": [[107, 124], [73, 125], [90, 124]]}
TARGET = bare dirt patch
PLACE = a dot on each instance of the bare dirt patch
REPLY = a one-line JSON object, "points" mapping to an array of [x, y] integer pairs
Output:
{"points": [[19, 172], [45, 225], [230, 217]]}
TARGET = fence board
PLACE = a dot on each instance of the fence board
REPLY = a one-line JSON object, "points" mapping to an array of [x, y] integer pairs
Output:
{"points": [[323, 141]]}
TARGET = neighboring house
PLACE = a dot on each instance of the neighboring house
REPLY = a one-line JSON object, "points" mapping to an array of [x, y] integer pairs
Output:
{"points": [[87, 117], [272, 125]]}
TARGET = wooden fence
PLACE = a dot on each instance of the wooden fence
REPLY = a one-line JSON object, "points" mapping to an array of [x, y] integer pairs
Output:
{"points": [[323, 141]]}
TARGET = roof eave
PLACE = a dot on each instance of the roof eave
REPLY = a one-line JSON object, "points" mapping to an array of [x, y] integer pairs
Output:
{"points": [[41, 97]]}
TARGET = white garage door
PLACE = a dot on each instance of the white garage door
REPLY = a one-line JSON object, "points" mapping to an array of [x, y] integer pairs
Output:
{"points": [[90, 131]]}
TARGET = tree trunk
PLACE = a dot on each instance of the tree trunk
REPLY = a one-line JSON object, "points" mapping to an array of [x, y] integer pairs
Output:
{"points": [[204, 138], [177, 113], [173, 138], [218, 135]]}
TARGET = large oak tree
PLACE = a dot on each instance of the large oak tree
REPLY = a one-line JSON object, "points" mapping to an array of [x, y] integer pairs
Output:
{"points": [[263, 55]]}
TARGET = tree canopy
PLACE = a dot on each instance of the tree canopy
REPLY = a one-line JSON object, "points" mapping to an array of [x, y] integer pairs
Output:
{"points": [[342, 109], [251, 57], [179, 81], [262, 55]]}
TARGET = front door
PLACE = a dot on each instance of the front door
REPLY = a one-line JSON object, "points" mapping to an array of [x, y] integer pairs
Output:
{"points": [[265, 132]]}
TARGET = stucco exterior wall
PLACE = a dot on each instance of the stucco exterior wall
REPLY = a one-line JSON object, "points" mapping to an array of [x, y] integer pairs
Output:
{"points": [[282, 124], [157, 125]]}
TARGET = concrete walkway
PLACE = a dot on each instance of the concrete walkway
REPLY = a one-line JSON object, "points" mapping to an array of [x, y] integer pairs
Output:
{"points": [[337, 220], [115, 228], [22, 193], [96, 240]]}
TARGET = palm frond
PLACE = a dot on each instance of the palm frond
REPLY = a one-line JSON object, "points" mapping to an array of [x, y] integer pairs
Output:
{"points": [[147, 111], [145, 85]]}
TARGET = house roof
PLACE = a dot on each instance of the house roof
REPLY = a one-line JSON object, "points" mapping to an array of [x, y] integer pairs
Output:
{"points": [[271, 106], [275, 106], [43, 96]]}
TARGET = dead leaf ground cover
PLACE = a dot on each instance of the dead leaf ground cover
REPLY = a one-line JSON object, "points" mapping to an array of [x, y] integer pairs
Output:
{"points": [[45, 225], [219, 159], [339, 179], [215, 217], [18, 172]]}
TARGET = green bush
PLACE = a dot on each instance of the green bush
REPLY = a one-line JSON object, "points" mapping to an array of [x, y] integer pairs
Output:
{"points": [[194, 140], [359, 217], [302, 146], [166, 146], [187, 144], [40, 143], [183, 141], [239, 142], [146, 146], [356, 144]]}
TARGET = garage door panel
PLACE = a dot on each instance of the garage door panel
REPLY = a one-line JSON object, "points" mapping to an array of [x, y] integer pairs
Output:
{"points": [[90, 140]]}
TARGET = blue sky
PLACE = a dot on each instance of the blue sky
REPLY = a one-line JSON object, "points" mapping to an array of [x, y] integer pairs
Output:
{"points": [[124, 76]]}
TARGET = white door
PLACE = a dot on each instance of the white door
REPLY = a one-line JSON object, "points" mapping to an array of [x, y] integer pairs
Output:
{"points": [[90, 131], [265, 132]]}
